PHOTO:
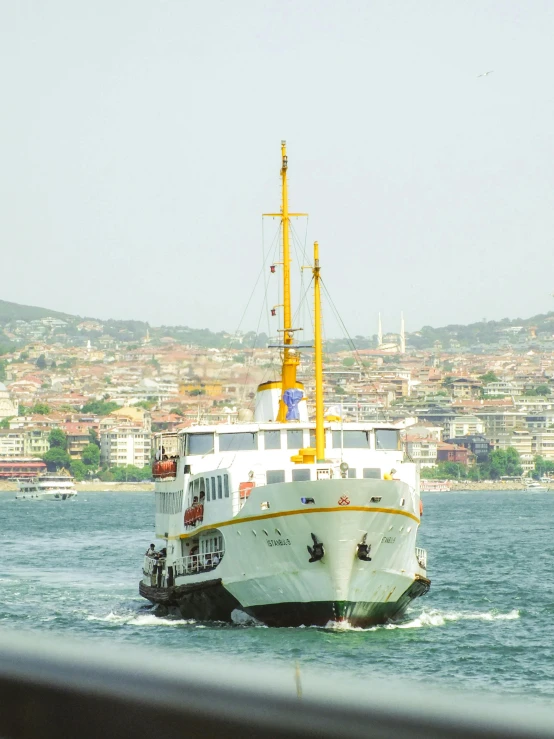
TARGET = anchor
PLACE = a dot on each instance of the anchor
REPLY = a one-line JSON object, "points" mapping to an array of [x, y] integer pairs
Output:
{"points": [[317, 552]]}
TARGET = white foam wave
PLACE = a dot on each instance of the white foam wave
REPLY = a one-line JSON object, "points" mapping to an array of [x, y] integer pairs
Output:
{"points": [[438, 618], [142, 619], [429, 618]]}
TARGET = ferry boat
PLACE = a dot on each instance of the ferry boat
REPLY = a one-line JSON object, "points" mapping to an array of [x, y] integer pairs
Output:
{"points": [[289, 520], [48, 486]]}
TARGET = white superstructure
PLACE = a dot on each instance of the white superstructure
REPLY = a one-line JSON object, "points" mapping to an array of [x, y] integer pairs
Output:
{"points": [[47, 487], [237, 516]]}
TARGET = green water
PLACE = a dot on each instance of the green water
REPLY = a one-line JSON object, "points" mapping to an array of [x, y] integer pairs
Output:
{"points": [[487, 623]]}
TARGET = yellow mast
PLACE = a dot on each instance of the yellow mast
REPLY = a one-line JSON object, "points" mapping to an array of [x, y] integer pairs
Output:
{"points": [[290, 357], [319, 419]]}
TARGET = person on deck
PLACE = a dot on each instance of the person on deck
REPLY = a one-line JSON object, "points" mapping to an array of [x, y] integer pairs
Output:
{"points": [[150, 551]]}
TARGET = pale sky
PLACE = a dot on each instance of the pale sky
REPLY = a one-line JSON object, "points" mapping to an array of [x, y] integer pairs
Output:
{"points": [[140, 143]]}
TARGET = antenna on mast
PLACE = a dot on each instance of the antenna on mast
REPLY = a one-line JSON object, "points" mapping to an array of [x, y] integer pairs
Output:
{"points": [[402, 335]]}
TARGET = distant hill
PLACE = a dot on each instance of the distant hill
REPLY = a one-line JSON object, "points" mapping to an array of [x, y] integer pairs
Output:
{"points": [[16, 312], [537, 330]]}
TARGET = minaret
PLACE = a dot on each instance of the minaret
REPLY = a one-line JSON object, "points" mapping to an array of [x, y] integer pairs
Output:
{"points": [[379, 332], [402, 335]]}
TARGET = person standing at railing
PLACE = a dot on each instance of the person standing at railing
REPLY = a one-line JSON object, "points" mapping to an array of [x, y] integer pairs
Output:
{"points": [[215, 559], [150, 551]]}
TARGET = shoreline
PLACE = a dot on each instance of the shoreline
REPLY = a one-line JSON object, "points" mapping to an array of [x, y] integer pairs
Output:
{"points": [[94, 487], [148, 487], [482, 485]]}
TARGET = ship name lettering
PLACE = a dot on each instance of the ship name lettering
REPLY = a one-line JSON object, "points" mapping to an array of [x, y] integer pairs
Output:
{"points": [[388, 539], [278, 543]]}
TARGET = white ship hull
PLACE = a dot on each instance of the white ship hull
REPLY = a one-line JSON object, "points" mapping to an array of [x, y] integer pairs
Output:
{"points": [[56, 495], [266, 570]]}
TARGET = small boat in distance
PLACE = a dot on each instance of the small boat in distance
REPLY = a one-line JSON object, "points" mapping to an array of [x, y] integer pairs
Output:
{"points": [[434, 486], [536, 486], [56, 486]]}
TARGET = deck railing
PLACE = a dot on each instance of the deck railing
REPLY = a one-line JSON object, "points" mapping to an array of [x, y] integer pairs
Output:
{"points": [[52, 687], [192, 564]]}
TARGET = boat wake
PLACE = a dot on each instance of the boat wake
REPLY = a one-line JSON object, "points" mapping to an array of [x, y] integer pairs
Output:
{"points": [[428, 619], [140, 619]]}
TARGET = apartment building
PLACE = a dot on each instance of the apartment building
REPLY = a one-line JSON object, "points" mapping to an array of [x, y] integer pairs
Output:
{"points": [[30, 442], [120, 446], [421, 449], [543, 443], [503, 387], [463, 426]]}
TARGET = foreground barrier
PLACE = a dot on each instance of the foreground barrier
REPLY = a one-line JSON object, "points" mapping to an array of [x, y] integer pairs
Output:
{"points": [[51, 688]]}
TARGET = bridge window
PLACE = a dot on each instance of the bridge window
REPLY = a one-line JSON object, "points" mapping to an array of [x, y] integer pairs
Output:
{"points": [[374, 473], [219, 487], [351, 439], [226, 485], [207, 488], [272, 439], [294, 439], [352, 472], [200, 444], [387, 439], [241, 442], [301, 475], [274, 476]]}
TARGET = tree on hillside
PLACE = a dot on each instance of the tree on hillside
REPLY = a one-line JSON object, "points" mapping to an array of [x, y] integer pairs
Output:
{"points": [[56, 458], [501, 463], [3, 364], [146, 404], [39, 409], [78, 469], [543, 467], [348, 362], [93, 436], [130, 473], [99, 407], [41, 362], [5, 422], [91, 456], [57, 439], [489, 377]]}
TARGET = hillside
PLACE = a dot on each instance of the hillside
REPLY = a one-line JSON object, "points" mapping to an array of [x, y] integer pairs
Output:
{"points": [[22, 324], [16, 312]]}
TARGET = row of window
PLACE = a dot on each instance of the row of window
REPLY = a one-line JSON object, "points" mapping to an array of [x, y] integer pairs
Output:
{"points": [[385, 439], [171, 502], [215, 487], [304, 474]]}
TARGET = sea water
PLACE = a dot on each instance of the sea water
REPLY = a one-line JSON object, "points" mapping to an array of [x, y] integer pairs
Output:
{"points": [[487, 623]]}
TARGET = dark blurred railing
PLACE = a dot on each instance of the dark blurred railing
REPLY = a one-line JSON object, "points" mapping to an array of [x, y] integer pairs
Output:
{"points": [[50, 688]]}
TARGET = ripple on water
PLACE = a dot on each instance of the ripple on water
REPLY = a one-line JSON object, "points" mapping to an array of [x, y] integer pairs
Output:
{"points": [[479, 626]]}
